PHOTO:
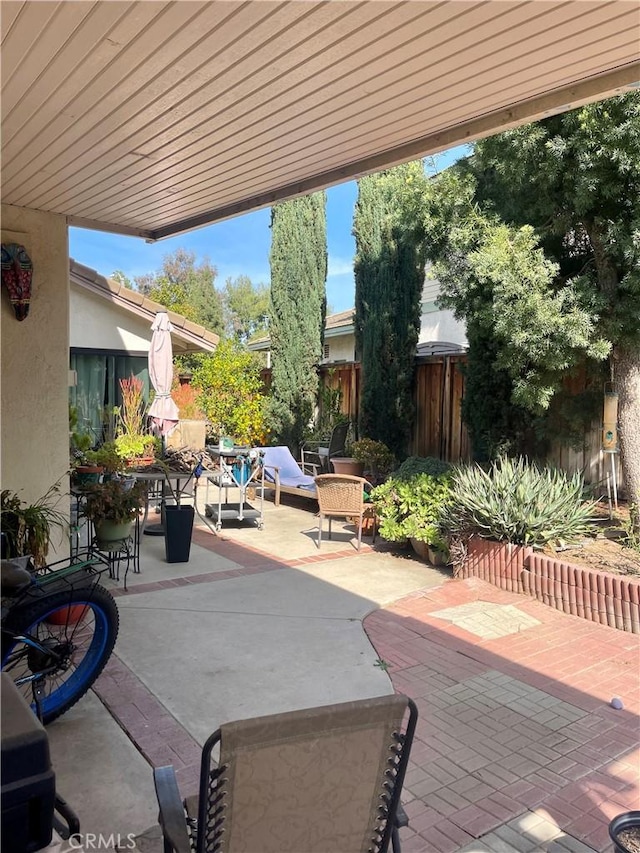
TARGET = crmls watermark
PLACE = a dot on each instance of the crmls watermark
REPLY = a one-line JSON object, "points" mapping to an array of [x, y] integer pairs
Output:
{"points": [[98, 841]]}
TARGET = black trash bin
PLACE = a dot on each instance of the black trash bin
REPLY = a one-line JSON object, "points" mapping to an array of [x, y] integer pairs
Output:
{"points": [[178, 526]]}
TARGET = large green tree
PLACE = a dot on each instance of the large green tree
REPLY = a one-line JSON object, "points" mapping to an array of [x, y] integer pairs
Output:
{"points": [[542, 250], [186, 287], [298, 260], [389, 275], [246, 308], [230, 389]]}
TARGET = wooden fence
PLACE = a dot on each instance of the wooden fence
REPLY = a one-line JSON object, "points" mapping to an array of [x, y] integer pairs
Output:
{"points": [[438, 429]]}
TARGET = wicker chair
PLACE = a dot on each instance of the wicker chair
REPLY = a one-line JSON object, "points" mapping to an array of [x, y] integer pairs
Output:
{"points": [[314, 780], [342, 496]]}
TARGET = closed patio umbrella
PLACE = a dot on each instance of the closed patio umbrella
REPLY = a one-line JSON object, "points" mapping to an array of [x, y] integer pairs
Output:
{"points": [[163, 411]]}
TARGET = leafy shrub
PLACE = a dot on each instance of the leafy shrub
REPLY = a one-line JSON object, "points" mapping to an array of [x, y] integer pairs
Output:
{"points": [[117, 500], [422, 465], [412, 508], [375, 455], [186, 399], [517, 502], [230, 394]]}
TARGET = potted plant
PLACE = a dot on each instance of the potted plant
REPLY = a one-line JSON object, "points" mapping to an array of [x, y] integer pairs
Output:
{"points": [[113, 507], [411, 510], [27, 529], [84, 469], [108, 458], [137, 450], [132, 443], [624, 831], [375, 456]]}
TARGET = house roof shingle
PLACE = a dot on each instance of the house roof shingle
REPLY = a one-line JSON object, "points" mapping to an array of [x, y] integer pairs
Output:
{"points": [[187, 335]]}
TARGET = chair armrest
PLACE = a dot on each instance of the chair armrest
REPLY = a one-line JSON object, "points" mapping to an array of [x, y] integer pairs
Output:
{"points": [[276, 472], [172, 819], [310, 458], [313, 445], [316, 467], [276, 483]]}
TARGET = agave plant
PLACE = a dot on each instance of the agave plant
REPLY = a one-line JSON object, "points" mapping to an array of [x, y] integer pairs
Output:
{"points": [[517, 502]]}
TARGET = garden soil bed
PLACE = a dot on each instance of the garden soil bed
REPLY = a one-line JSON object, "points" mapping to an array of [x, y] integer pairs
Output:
{"points": [[605, 551]]}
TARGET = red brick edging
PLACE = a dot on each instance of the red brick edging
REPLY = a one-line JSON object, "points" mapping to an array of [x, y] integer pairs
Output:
{"points": [[601, 597]]}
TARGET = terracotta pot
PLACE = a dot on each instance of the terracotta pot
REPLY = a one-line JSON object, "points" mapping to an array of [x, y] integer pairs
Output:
{"points": [[421, 549], [141, 462], [347, 465], [84, 474]]}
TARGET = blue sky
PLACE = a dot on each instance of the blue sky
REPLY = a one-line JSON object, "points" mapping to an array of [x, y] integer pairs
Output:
{"points": [[237, 246]]}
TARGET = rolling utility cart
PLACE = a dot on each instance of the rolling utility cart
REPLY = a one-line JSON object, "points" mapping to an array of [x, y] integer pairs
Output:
{"points": [[239, 469]]}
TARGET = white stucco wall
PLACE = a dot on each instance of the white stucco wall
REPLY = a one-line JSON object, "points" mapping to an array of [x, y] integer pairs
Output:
{"points": [[442, 326], [341, 348], [436, 324], [34, 418], [97, 324]]}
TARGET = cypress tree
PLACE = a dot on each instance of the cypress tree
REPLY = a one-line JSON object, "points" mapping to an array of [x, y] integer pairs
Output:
{"points": [[389, 274], [298, 261]]}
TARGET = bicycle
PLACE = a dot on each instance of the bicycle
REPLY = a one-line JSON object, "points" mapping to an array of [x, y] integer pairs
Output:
{"points": [[59, 627]]}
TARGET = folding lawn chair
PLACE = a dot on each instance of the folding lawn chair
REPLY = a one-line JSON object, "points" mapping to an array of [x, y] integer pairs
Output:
{"points": [[306, 781]]}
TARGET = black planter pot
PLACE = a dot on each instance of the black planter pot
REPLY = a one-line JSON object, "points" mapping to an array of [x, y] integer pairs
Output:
{"points": [[626, 820], [178, 526]]}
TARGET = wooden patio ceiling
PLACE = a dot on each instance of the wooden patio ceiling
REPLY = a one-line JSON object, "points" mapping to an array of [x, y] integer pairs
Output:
{"points": [[151, 118]]}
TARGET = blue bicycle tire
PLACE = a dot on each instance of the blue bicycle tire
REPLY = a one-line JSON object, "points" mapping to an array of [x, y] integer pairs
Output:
{"points": [[88, 644]]}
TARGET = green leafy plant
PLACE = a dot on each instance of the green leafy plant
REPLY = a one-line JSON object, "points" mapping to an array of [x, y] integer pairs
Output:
{"points": [[117, 500], [29, 527], [376, 456], [107, 457], [515, 501], [137, 446], [329, 407], [412, 508], [80, 443], [421, 465], [230, 394]]}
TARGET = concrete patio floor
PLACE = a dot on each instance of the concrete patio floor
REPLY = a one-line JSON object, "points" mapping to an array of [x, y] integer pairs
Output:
{"points": [[517, 748]]}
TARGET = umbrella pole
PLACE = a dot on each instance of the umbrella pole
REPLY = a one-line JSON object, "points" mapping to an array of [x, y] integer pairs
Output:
{"points": [[159, 529]]}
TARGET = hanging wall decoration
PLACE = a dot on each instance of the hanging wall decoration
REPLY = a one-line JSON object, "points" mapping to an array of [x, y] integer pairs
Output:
{"points": [[17, 271]]}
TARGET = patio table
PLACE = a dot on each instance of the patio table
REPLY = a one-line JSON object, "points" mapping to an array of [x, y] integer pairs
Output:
{"points": [[175, 480]]}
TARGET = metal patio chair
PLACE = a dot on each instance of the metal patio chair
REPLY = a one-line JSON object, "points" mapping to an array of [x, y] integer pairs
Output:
{"points": [[342, 496], [314, 780], [320, 453]]}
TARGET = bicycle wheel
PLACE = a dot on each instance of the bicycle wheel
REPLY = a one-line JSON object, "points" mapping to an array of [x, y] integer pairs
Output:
{"points": [[71, 635]]}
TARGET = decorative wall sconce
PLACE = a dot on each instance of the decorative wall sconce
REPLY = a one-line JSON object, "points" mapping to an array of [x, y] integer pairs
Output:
{"points": [[17, 271]]}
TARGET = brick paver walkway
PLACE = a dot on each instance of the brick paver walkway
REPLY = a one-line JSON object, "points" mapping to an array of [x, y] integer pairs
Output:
{"points": [[517, 746]]}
